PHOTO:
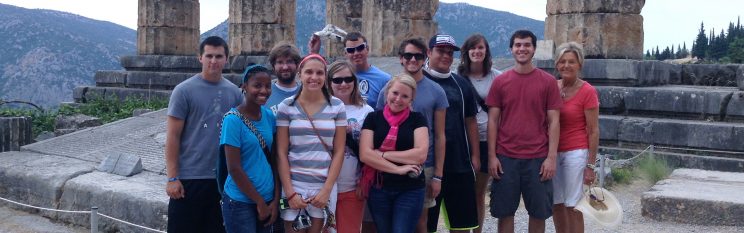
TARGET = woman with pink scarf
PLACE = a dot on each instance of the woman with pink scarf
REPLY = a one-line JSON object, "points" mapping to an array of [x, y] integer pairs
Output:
{"points": [[393, 144]]}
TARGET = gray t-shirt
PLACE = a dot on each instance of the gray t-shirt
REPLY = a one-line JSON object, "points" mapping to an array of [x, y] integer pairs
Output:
{"points": [[201, 105], [482, 85], [430, 97], [278, 94]]}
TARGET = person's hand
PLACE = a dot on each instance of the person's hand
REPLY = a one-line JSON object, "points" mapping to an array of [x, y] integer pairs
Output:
{"points": [[475, 161], [589, 176], [547, 170], [174, 189], [320, 200], [494, 168], [297, 202], [435, 188], [314, 44], [263, 210], [405, 169], [274, 213]]}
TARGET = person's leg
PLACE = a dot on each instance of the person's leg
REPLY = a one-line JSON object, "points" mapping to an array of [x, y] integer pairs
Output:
{"points": [[211, 212], [381, 207], [559, 198], [239, 216], [458, 207], [537, 194], [368, 224], [506, 224], [481, 183], [560, 218], [505, 194], [432, 218], [428, 202], [182, 215], [349, 210], [575, 220], [536, 225], [408, 206]]}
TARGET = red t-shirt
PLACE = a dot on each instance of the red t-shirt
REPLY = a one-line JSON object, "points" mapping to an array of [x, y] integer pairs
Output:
{"points": [[573, 120], [524, 100]]}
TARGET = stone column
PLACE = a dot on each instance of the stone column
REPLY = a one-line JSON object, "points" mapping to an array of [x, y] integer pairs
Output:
{"points": [[608, 29], [387, 22], [345, 14], [254, 26], [168, 27], [14, 133]]}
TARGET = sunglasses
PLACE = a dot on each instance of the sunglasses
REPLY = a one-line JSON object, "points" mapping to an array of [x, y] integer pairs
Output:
{"points": [[359, 48], [339, 80], [418, 56]]}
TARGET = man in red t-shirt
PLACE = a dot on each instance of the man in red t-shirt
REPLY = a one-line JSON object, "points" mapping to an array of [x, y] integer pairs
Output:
{"points": [[523, 130]]}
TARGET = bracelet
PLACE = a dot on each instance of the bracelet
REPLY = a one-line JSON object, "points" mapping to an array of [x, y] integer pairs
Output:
{"points": [[383, 155], [436, 178], [291, 196], [172, 179]]}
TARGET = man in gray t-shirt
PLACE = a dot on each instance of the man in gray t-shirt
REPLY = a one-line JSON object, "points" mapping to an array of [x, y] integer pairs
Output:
{"points": [[193, 125]]}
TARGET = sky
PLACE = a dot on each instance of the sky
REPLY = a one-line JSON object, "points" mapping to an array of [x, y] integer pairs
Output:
{"points": [[666, 22]]}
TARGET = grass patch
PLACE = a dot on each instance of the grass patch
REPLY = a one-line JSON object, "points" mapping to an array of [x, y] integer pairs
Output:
{"points": [[653, 168], [622, 175]]}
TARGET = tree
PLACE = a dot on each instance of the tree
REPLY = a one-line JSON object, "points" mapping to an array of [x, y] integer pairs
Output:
{"points": [[700, 45], [736, 50]]}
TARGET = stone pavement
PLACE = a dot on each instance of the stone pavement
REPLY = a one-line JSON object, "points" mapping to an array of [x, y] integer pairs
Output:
{"points": [[21, 222]]}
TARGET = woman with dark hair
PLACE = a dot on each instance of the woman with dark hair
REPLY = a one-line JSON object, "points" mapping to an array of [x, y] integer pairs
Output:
{"points": [[475, 66], [344, 85], [393, 145], [249, 202], [311, 133], [579, 138]]}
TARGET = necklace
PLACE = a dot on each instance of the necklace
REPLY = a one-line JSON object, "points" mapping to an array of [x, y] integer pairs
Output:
{"points": [[566, 88]]}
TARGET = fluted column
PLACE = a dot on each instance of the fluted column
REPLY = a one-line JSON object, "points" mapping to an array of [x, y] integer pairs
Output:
{"points": [[168, 27], [254, 26]]}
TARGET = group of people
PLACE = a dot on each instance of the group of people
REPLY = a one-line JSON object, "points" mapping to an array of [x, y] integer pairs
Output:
{"points": [[350, 148]]}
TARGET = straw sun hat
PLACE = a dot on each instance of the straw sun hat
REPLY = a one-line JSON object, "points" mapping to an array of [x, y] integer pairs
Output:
{"points": [[600, 205]]}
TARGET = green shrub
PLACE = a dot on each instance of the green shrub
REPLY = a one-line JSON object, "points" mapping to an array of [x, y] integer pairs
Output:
{"points": [[653, 168], [622, 175]]}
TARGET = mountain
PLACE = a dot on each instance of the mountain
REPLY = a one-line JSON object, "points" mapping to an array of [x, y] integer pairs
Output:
{"points": [[458, 19], [47, 53]]}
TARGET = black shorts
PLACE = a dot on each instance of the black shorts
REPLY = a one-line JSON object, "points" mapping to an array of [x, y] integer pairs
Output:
{"points": [[199, 210], [457, 202], [521, 176], [484, 157]]}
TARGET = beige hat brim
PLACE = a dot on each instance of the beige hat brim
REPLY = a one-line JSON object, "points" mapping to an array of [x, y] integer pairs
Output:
{"points": [[611, 217]]}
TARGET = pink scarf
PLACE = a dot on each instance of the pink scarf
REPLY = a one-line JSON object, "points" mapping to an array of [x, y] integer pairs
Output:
{"points": [[369, 174]]}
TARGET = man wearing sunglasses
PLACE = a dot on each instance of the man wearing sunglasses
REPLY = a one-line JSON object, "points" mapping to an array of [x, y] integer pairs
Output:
{"points": [[462, 140], [412, 55]]}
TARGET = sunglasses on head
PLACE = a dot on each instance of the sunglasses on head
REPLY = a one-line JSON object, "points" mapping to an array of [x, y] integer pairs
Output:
{"points": [[359, 48], [418, 56], [339, 80]]}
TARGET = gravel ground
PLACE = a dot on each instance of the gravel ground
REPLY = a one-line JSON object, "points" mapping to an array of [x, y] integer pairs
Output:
{"points": [[22, 222], [630, 199]]}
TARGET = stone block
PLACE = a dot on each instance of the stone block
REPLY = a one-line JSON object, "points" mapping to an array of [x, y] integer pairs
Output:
{"points": [[385, 28], [258, 39], [345, 14], [78, 94], [110, 78], [709, 75], [544, 50], [171, 63], [168, 13], [682, 133], [608, 127], [14, 133], [636, 129], [140, 111], [556, 7], [123, 93], [611, 99], [167, 41], [735, 108], [697, 197], [619, 72], [740, 77], [123, 164], [156, 80], [262, 12], [67, 124], [418, 9], [677, 101], [604, 35], [239, 63], [38, 179], [138, 199], [654, 73]]}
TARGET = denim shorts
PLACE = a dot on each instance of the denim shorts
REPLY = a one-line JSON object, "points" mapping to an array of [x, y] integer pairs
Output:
{"points": [[242, 217], [521, 177]]}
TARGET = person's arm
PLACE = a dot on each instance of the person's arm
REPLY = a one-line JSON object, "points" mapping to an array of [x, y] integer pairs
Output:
{"points": [[414, 156], [592, 130], [369, 156], [547, 170], [314, 44], [232, 157], [494, 165], [471, 125], [282, 151], [174, 128], [440, 144], [339, 145], [274, 206]]}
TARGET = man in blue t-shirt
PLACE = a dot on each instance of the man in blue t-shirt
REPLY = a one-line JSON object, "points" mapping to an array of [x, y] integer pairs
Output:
{"points": [[195, 112], [284, 58]]}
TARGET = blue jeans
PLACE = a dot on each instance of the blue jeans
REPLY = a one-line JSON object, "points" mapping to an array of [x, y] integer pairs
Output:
{"points": [[395, 211], [241, 217]]}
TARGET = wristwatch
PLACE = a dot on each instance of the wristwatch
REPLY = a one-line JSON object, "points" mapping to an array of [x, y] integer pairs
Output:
{"points": [[172, 179]]}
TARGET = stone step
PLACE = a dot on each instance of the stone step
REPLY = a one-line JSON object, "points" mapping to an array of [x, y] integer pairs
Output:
{"points": [[677, 158], [722, 136], [82, 94], [148, 79], [697, 197], [675, 101], [186, 64]]}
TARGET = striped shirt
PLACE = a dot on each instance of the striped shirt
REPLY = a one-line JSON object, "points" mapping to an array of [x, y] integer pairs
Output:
{"points": [[308, 159]]}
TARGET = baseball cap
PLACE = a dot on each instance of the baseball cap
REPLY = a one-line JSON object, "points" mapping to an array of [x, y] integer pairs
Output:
{"points": [[443, 40]]}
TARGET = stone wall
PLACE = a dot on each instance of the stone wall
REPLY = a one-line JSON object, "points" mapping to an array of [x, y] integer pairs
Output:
{"points": [[14, 133], [168, 27], [254, 26], [387, 22], [345, 14], [607, 28]]}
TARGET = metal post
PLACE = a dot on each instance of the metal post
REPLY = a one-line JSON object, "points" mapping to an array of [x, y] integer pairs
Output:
{"points": [[651, 149], [94, 219], [601, 170]]}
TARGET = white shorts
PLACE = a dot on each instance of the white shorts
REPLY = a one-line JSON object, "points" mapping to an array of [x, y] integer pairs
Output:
{"points": [[568, 183], [314, 212]]}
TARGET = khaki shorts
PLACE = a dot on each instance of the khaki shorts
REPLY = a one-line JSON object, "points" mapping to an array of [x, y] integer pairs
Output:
{"points": [[428, 201]]}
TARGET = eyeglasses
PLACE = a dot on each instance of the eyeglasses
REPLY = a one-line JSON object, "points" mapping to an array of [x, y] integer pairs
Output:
{"points": [[359, 48], [339, 80], [418, 56]]}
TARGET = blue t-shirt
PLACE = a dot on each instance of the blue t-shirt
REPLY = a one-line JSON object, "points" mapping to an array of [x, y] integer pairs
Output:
{"points": [[371, 83], [278, 95], [429, 98], [252, 159]]}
